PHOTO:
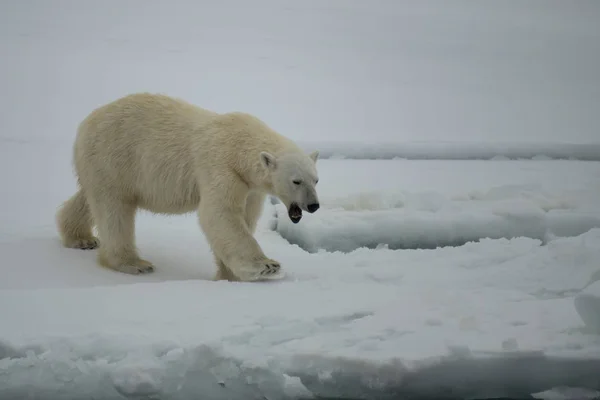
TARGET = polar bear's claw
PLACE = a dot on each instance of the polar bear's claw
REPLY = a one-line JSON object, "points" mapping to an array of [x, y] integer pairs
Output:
{"points": [[271, 271], [135, 266], [279, 274], [135, 269], [146, 269], [83, 244], [264, 270]]}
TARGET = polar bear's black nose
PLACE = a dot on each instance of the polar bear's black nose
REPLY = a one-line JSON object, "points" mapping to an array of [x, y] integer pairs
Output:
{"points": [[313, 207]]}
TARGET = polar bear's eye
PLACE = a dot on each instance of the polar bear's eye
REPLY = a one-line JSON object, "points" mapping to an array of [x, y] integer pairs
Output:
{"points": [[317, 181], [296, 182]]}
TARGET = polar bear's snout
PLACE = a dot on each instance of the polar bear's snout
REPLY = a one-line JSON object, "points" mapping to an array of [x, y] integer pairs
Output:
{"points": [[309, 201]]}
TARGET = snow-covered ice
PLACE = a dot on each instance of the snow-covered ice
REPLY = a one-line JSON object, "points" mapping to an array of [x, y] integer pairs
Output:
{"points": [[369, 322], [455, 150], [457, 251], [401, 218]]}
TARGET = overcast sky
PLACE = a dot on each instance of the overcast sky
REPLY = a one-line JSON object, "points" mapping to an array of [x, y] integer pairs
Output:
{"points": [[348, 70]]}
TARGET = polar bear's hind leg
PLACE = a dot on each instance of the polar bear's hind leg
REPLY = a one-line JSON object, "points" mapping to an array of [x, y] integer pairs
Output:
{"points": [[116, 229], [74, 221]]}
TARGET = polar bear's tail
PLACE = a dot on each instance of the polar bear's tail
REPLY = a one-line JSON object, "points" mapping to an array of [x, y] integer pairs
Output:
{"points": [[74, 221]]}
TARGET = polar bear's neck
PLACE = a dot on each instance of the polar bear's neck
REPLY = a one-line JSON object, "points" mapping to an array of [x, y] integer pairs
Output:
{"points": [[240, 138], [251, 169]]}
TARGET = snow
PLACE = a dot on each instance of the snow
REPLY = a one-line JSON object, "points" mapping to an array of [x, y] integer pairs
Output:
{"points": [[458, 241], [587, 304], [417, 307], [532, 199], [372, 322], [455, 150]]}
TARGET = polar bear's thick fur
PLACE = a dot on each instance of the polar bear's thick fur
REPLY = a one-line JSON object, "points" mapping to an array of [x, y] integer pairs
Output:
{"points": [[153, 152]]}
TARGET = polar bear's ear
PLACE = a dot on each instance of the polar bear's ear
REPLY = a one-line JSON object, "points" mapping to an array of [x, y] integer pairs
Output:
{"points": [[268, 160], [314, 155]]}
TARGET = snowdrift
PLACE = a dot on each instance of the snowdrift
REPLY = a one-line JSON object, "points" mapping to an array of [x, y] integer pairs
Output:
{"points": [[429, 220]]}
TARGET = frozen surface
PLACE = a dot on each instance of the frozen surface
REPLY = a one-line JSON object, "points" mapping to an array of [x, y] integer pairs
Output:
{"points": [[587, 304], [507, 305], [411, 321], [379, 205], [454, 150], [371, 323]]}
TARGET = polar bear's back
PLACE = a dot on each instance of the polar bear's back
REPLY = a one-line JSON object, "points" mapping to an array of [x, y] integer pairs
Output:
{"points": [[144, 116], [139, 146]]}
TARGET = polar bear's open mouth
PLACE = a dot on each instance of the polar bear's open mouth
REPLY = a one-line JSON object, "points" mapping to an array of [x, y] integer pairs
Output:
{"points": [[295, 213]]}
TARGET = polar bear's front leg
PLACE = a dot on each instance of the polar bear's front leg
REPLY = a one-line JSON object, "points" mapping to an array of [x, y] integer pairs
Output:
{"points": [[254, 207], [223, 273], [232, 242]]}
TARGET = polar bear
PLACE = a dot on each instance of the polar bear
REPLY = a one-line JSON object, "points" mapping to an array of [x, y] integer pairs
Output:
{"points": [[165, 155]]}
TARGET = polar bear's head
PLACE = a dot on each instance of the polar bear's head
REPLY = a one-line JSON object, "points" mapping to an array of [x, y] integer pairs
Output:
{"points": [[292, 178]]}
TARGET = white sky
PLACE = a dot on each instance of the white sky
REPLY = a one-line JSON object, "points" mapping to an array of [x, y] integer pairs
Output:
{"points": [[348, 70]]}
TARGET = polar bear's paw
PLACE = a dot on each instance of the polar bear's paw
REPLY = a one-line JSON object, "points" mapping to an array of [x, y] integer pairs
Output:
{"points": [[134, 266], [260, 271], [88, 243], [271, 270]]}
